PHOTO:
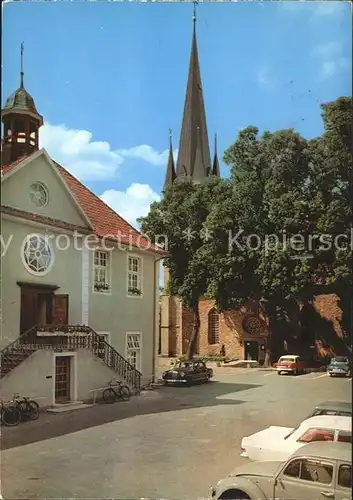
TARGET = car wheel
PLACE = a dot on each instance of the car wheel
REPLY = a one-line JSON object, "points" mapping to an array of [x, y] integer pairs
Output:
{"points": [[234, 495], [279, 373], [295, 373]]}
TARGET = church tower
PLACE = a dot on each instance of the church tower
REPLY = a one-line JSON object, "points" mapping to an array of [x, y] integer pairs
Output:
{"points": [[21, 123], [194, 165], [194, 159]]}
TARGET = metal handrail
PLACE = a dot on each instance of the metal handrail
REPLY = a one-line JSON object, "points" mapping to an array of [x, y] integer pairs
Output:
{"points": [[111, 356]]}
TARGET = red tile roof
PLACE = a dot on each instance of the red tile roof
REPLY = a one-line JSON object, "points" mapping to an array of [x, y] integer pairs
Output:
{"points": [[104, 221], [7, 168]]}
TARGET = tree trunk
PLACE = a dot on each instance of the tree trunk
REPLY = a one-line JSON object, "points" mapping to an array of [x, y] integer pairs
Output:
{"points": [[267, 362], [195, 333]]}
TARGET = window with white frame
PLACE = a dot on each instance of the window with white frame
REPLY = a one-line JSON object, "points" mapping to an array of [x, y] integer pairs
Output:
{"points": [[101, 271], [134, 285], [133, 349]]}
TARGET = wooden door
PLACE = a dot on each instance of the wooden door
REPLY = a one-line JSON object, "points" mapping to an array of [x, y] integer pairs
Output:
{"points": [[62, 379], [60, 310], [29, 309], [251, 350]]}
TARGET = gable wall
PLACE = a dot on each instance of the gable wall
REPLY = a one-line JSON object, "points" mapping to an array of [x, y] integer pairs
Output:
{"points": [[16, 188]]}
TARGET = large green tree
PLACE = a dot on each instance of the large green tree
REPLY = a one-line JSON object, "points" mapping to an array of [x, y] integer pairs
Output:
{"points": [[290, 200], [278, 228], [177, 223]]}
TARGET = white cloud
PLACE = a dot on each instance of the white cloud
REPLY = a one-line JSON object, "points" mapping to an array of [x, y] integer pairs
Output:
{"points": [[265, 78], [330, 59], [132, 203], [146, 153], [330, 67], [317, 8], [92, 160], [328, 49], [328, 8]]}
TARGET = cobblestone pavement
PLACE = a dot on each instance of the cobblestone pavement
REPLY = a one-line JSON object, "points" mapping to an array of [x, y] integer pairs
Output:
{"points": [[167, 443]]}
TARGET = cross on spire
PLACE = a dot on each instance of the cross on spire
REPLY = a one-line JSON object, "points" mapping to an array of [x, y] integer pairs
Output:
{"points": [[170, 137], [194, 15], [22, 74]]}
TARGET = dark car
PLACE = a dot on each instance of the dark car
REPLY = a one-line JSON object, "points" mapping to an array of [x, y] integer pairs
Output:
{"points": [[341, 408], [339, 365], [188, 372]]}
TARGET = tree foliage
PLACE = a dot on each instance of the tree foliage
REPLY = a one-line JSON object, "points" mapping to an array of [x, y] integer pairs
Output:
{"points": [[271, 226], [177, 222]]}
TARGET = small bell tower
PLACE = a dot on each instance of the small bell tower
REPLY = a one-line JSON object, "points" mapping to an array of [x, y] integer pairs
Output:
{"points": [[21, 124]]}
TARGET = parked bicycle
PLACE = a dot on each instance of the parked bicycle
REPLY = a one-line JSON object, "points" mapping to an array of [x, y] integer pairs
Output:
{"points": [[115, 392], [28, 408], [9, 413]]}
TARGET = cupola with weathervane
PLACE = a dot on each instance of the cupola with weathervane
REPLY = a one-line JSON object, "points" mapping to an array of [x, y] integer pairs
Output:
{"points": [[21, 123]]}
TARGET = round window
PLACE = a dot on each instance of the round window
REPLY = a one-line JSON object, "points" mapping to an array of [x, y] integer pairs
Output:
{"points": [[37, 255], [252, 325], [38, 194]]}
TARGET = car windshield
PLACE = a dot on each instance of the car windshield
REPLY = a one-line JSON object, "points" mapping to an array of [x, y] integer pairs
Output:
{"points": [[287, 359], [339, 359], [183, 364]]}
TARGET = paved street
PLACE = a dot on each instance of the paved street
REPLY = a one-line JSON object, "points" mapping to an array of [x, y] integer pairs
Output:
{"points": [[169, 443]]}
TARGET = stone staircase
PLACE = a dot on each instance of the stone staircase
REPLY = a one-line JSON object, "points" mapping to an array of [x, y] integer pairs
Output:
{"points": [[67, 338]]}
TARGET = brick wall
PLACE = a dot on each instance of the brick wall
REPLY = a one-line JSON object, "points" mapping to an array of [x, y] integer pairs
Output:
{"points": [[231, 331], [328, 308]]}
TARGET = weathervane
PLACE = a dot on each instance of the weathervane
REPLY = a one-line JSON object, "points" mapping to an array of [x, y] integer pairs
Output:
{"points": [[194, 16], [170, 137], [22, 48]]}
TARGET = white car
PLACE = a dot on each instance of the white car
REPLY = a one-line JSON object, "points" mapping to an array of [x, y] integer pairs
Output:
{"points": [[278, 443]]}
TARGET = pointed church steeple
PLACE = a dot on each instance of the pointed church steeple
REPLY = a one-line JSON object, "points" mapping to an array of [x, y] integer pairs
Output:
{"points": [[193, 137], [170, 174], [215, 166]]}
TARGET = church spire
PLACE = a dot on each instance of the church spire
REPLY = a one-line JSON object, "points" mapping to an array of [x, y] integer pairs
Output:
{"points": [[193, 136], [170, 174], [215, 167]]}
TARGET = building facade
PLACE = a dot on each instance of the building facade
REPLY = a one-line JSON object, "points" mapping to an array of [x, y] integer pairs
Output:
{"points": [[79, 284]]}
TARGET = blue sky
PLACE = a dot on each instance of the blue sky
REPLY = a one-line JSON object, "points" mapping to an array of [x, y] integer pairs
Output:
{"points": [[109, 79]]}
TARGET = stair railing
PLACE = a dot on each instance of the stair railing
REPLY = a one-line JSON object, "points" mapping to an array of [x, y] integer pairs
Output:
{"points": [[30, 341]]}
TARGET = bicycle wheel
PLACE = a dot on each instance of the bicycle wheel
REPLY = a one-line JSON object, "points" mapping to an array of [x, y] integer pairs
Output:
{"points": [[32, 409], [109, 396], [10, 416], [124, 392]]}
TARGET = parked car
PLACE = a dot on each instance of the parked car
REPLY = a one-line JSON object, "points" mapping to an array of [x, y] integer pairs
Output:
{"points": [[291, 363], [316, 471], [277, 443], [342, 408], [340, 365], [188, 372]]}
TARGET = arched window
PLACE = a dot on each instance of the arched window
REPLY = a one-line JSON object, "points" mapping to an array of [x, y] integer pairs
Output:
{"points": [[213, 326]]}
